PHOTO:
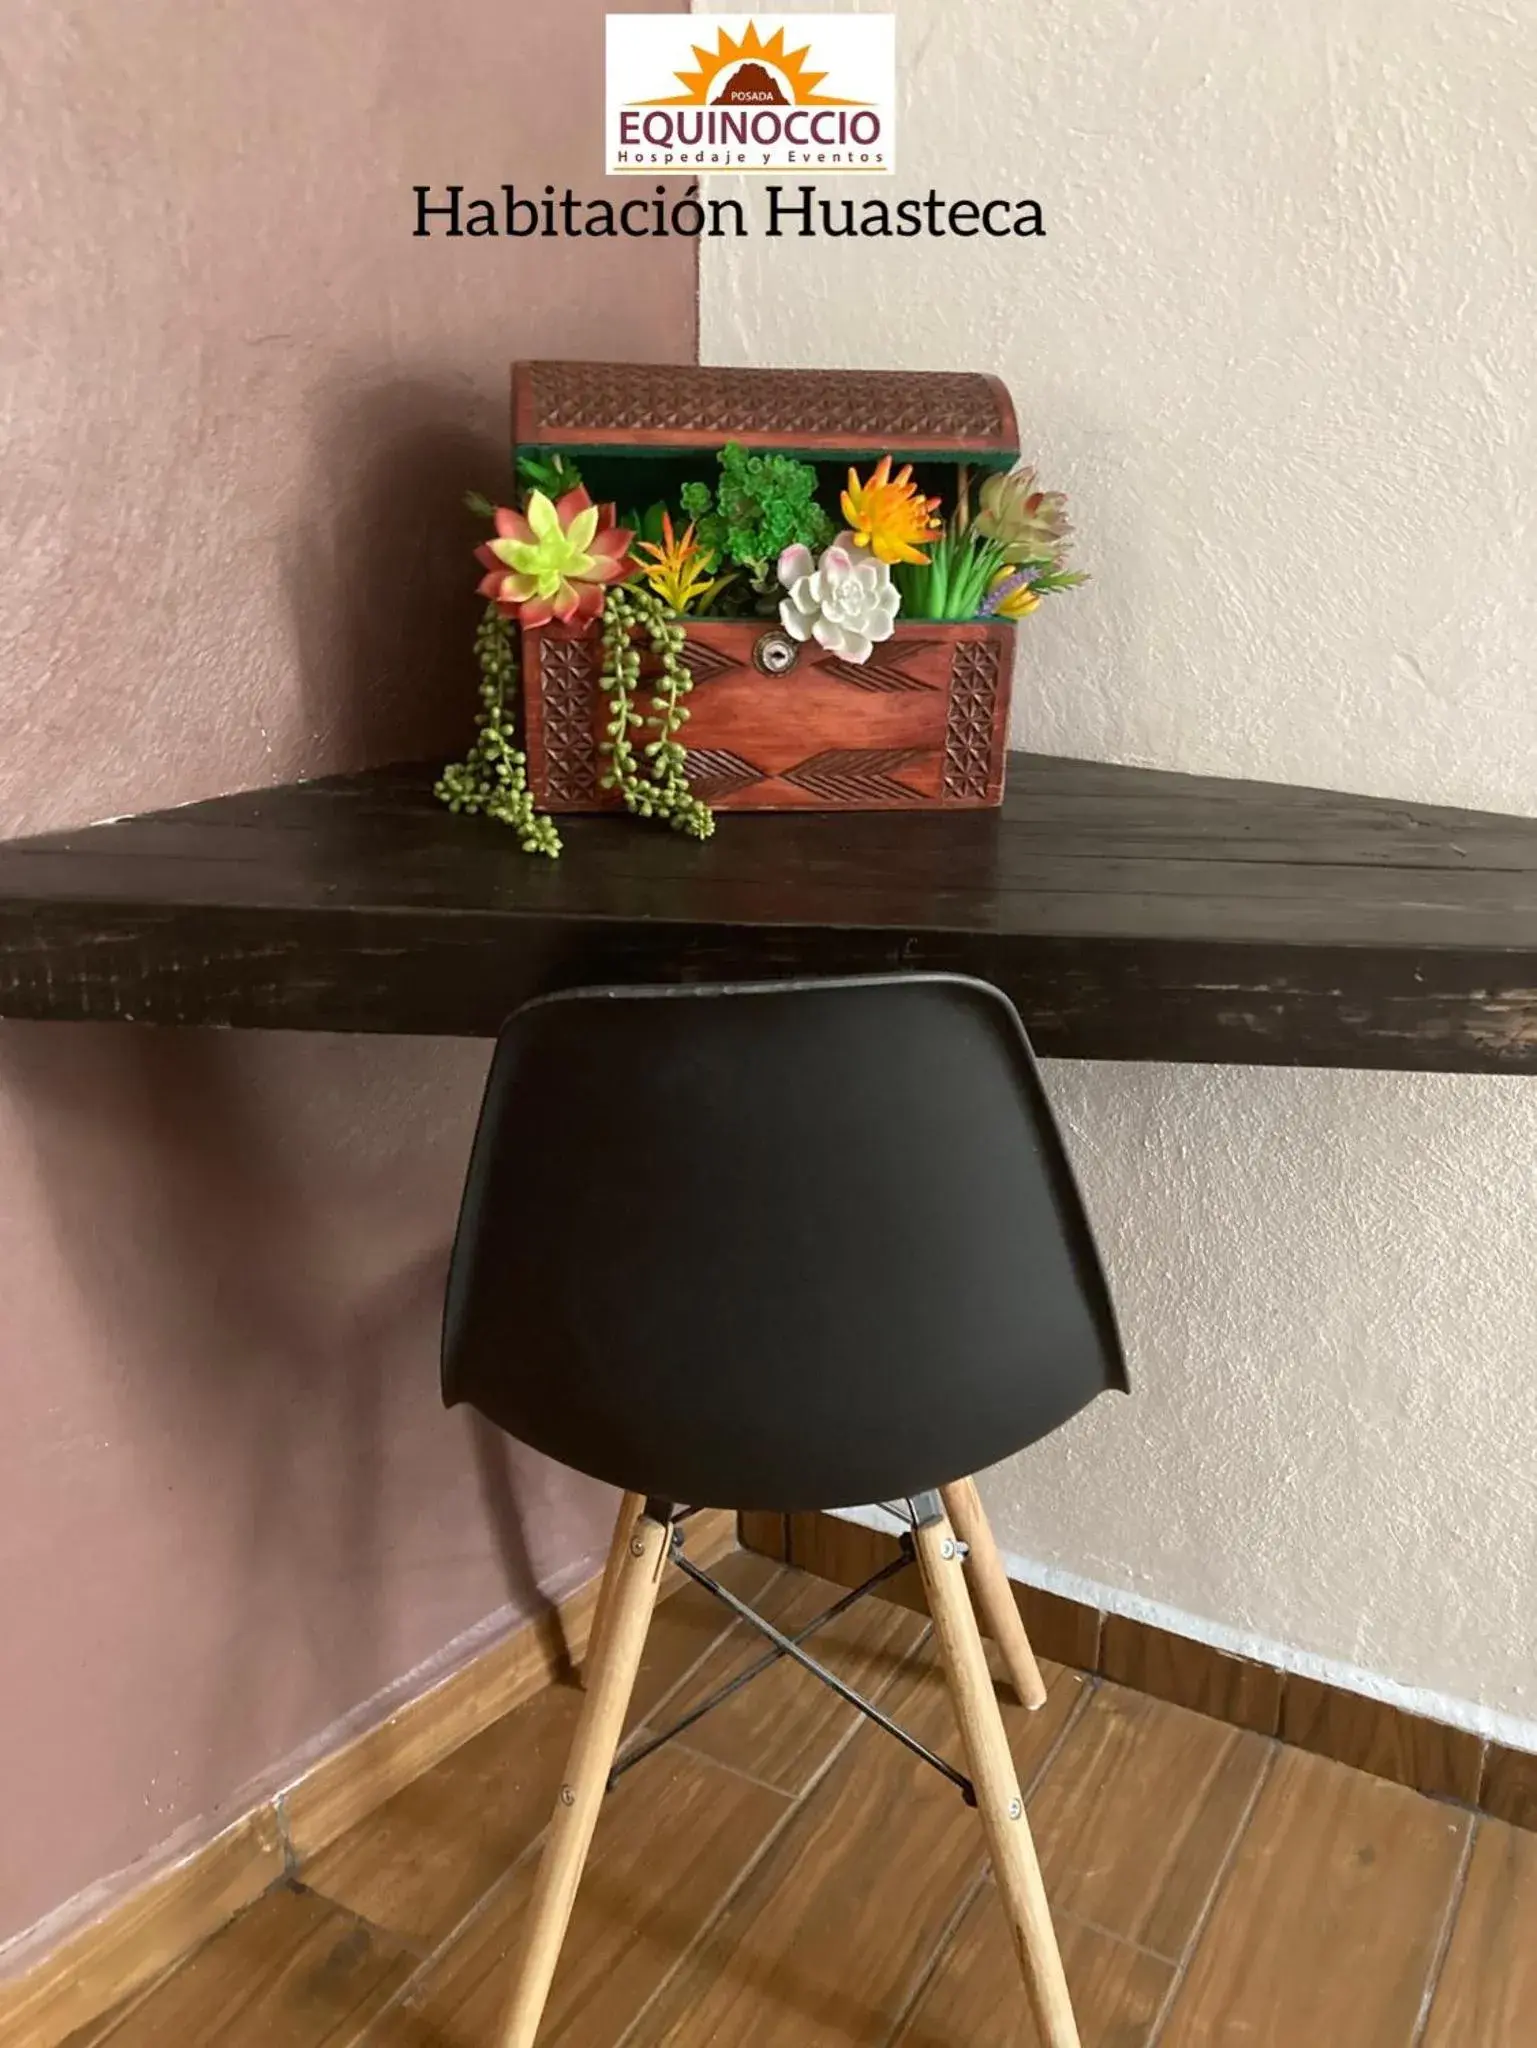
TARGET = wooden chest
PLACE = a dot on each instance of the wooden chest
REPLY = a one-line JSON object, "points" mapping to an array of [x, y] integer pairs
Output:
{"points": [[775, 724]]}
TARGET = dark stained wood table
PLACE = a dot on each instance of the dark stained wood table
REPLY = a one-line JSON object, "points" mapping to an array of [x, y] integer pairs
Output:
{"points": [[1130, 913]]}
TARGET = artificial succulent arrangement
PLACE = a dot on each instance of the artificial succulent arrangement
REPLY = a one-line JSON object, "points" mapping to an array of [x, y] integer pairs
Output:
{"points": [[756, 542]]}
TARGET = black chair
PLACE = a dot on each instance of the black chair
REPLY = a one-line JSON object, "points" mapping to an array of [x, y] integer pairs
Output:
{"points": [[784, 1246]]}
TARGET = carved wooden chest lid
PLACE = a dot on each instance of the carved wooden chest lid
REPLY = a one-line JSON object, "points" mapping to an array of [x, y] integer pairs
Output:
{"points": [[821, 414]]}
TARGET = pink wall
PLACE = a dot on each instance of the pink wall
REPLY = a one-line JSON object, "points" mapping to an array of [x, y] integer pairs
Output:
{"points": [[242, 404]]}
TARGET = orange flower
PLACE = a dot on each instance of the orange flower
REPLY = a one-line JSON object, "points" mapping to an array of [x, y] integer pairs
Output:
{"points": [[887, 516], [679, 570]]}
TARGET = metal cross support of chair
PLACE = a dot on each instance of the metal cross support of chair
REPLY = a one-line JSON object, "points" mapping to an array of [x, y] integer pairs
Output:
{"points": [[646, 1535], [787, 1646]]}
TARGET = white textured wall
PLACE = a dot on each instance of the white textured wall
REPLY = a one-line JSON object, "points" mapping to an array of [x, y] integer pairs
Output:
{"points": [[1278, 345]]}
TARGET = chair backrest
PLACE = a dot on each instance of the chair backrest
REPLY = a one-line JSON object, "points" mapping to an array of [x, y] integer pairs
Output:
{"points": [[789, 1245]]}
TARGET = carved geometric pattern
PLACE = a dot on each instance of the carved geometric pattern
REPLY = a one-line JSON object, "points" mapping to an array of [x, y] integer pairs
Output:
{"points": [[713, 773], [842, 406], [857, 776], [704, 662], [974, 679], [568, 688], [884, 670]]}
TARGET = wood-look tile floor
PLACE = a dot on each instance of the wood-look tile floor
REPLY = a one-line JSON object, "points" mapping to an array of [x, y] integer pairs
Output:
{"points": [[788, 1877]]}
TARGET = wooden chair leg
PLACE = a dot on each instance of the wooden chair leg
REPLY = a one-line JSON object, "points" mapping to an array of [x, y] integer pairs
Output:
{"points": [[991, 1591], [630, 1506], [635, 1570], [1000, 1804]]}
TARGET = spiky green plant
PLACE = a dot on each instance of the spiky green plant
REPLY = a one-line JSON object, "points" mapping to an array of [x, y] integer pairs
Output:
{"points": [[1015, 527], [954, 580]]}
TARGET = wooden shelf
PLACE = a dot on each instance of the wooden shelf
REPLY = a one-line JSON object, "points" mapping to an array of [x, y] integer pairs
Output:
{"points": [[1131, 914]]}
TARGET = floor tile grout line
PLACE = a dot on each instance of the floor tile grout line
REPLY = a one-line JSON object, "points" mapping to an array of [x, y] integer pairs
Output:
{"points": [[404, 1942], [1054, 1748], [1456, 1893], [971, 1893], [781, 1827], [942, 1947], [787, 1820], [702, 1756], [1114, 1934], [1061, 1917], [1224, 1870], [403, 1993], [288, 1882], [145, 1991]]}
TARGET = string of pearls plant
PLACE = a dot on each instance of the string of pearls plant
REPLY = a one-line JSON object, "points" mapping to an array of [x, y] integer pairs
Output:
{"points": [[493, 777], [653, 785]]}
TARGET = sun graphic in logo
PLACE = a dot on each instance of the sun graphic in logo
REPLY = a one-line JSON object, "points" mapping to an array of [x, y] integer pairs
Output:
{"points": [[750, 73]]}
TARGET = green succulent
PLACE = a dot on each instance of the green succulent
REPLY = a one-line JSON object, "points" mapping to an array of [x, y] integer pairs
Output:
{"points": [[1029, 524], [762, 505], [646, 525], [553, 474]]}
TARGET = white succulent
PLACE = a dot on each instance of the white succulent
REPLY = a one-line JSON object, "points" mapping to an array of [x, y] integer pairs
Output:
{"points": [[845, 602]]}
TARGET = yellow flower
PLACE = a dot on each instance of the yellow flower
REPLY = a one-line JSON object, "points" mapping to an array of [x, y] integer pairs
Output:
{"points": [[1010, 595], [887, 516], [679, 571]]}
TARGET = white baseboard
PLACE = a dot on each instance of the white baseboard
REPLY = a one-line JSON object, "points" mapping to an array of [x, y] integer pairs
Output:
{"points": [[1489, 1722]]}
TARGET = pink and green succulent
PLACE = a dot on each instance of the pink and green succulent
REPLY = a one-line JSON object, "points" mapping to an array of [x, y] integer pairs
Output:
{"points": [[552, 560]]}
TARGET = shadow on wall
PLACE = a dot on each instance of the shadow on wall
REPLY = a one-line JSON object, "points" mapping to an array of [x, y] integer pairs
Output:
{"points": [[264, 1302], [381, 578]]}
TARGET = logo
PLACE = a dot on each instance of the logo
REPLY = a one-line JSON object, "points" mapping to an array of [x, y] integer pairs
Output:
{"points": [[797, 92]]}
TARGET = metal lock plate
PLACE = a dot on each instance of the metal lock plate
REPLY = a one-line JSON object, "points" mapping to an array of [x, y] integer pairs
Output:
{"points": [[775, 654]]}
